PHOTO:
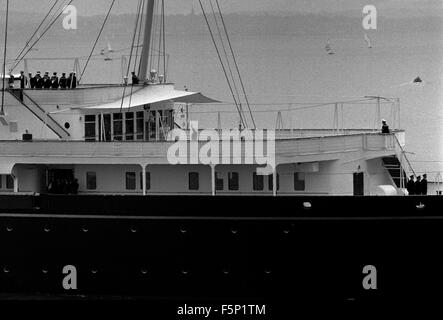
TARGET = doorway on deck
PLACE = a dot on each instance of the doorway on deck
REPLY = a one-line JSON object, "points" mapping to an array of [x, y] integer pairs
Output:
{"points": [[59, 181], [359, 188]]}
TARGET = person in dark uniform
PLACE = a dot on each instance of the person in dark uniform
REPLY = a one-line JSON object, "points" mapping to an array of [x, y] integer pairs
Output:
{"points": [[424, 185], [54, 81], [46, 81], [384, 127], [32, 81], [410, 186], [69, 81], [135, 79], [11, 81], [39, 81], [23, 80], [75, 186], [74, 81], [63, 81], [418, 186]]}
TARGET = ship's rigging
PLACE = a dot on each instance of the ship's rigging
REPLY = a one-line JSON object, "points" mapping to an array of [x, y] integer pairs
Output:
{"points": [[230, 78]]}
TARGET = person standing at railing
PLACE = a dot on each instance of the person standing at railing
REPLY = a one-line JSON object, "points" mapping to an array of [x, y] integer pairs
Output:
{"points": [[384, 127], [63, 81], [54, 81], [418, 186], [424, 185], [11, 81], [32, 81], [39, 81], [23, 80], [410, 186]]}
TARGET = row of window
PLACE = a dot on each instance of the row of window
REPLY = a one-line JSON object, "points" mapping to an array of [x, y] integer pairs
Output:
{"points": [[194, 181], [131, 184], [6, 182], [128, 126]]}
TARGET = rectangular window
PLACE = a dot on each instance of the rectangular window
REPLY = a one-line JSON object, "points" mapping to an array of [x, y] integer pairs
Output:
{"points": [[194, 181], [218, 182], [233, 181], [148, 180], [257, 181], [299, 181], [130, 181], [90, 128], [91, 181], [129, 124], [9, 182], [118, 126], [271, 182], [140, 119]]}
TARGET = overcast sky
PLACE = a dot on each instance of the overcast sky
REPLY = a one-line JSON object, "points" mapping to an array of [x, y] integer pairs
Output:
{"points": [[385, 7]]}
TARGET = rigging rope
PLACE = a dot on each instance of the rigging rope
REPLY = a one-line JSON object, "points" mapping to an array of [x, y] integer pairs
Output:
{"points": [[138, 40], [227, 59], [235, 62], [222, 64], [96, 40], [164, 41], [130, 56], [35, 32], [44, 32]]}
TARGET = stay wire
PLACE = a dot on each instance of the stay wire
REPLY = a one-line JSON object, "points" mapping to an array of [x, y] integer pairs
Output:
{"points": [[130, 56], [235, 62], [221, 62], [35, 32], [96, 40], [226, 57], [44, 32]]}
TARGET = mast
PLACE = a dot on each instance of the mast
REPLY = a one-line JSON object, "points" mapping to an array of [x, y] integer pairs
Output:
{"points": [[144, 59], [2, 112]]}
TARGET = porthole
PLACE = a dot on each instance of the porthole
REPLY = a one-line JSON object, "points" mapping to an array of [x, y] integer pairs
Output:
{"points": [[67, 125]]}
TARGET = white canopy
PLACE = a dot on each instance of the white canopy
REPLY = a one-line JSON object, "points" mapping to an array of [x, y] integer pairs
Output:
{"points": [[152, 94]]}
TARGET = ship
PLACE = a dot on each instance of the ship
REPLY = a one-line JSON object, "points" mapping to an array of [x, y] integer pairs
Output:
{"points": [[87, 184]]}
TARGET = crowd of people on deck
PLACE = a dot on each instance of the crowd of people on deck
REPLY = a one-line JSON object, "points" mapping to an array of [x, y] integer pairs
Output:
{"points": [[417, 187], [44, 82], [64, 186]]}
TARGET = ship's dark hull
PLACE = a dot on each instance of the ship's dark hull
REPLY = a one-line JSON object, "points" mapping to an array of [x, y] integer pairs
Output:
{"points": [[222, 247]]}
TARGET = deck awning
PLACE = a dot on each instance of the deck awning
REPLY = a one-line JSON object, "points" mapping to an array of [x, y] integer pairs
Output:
{"points": [[153, 94]]}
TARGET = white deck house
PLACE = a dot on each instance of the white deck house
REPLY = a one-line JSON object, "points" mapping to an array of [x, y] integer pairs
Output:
{"points": [[119, 146]]}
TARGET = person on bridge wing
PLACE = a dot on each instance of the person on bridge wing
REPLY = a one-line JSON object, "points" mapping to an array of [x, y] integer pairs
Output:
{"points": [[135, 79], [424, 185], [418, 186], [384, 127], [54, 81], [410, 186], [46, 81], [74, 81], [23, 80], [39, 82], [69, 81], [11, 81], [32, 81], [63, 81]]}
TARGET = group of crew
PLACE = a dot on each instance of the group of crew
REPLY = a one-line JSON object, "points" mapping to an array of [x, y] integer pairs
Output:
{"points": [[417, 187], [64, 186], [45, 82]]}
